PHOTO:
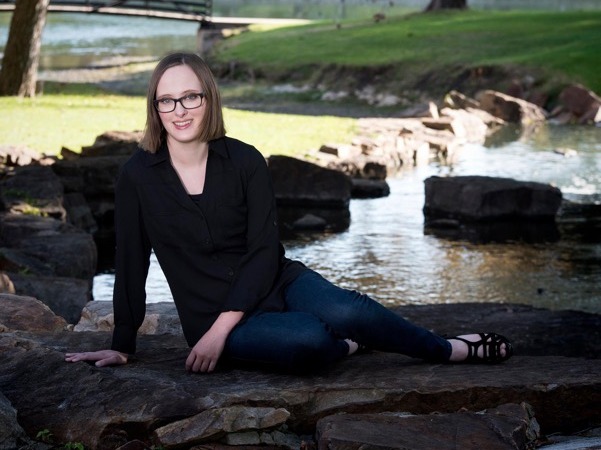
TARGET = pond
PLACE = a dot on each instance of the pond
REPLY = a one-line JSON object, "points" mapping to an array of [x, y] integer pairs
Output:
{"points": [[387, 253]]}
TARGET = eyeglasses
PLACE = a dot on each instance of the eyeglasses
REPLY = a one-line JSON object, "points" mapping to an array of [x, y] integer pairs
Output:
{"points": [[189, 101]]}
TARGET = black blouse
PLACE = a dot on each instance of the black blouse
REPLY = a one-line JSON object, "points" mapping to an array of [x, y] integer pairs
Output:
{"points": [[219, 251]]}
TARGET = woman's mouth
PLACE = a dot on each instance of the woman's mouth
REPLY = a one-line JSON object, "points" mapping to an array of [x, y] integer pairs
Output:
{"points": [[182, 125]]}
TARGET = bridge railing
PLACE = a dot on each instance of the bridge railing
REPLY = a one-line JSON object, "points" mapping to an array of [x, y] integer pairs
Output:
{"points": [[202, 8]]}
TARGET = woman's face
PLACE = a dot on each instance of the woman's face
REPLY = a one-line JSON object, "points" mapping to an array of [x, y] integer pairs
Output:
{"points": [[182, 125]]}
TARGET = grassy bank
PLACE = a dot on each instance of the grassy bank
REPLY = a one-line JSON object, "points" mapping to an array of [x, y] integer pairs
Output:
{"points": [[562, 43], [73, 118]]}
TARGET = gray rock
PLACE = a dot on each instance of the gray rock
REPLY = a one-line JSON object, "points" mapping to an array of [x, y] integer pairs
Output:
{"points": [[33, 190], [507, 427], [212, 424], [510, 109], [12, 436], [28, 314], [61, 248], [65, 296], [369, 188], [479, 199], [161, 318], [303, 188]]}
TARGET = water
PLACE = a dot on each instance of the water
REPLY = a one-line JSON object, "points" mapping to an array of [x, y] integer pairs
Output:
{"points": [[386, 252]]}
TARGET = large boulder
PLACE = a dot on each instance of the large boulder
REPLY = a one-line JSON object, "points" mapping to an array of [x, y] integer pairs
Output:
{"points": [[28, 314], [65, 296], [581, 104], [51, 246], [510, 109], [32, 190], [485, 199], [506, 427], [303, 189]]}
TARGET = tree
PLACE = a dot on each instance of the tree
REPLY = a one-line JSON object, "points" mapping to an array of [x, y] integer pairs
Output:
{"points": [[18, 74], [446, 4]]}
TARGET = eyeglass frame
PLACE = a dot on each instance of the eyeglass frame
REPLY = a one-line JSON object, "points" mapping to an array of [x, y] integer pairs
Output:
{"points": [[179, 100]]}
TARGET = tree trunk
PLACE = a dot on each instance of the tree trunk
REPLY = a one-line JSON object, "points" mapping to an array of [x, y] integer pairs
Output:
{"points": [[446, 4], [18, 75]]}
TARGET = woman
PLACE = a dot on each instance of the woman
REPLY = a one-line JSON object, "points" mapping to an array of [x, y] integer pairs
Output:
{"points": [[205, 204]]}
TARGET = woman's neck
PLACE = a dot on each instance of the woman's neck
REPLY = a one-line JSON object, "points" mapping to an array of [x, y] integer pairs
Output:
{"points": [[189, 154]]}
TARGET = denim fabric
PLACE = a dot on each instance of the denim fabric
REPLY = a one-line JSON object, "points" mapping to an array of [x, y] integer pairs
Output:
{"points": [[319, 315]]}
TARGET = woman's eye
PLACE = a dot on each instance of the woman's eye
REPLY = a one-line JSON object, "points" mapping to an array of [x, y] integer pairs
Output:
{"points": [[192, 97], [165, 101]]}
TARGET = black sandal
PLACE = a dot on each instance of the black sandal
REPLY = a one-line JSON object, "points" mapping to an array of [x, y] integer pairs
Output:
{"points": [[491, 349]]}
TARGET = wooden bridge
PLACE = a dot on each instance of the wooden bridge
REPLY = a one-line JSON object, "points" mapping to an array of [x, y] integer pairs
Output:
{"points": [[191, 10]]}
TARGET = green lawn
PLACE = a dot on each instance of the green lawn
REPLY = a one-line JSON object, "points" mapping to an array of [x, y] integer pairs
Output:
{"points": [[52, 121], [566, 42]]}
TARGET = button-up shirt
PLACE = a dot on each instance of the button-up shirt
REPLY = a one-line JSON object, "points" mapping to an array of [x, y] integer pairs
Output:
{"points": [[219, 251]]}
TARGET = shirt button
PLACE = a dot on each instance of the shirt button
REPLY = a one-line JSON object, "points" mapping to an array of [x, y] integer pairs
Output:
{"points": [[206, 241], [275, 223], [230, 272]]}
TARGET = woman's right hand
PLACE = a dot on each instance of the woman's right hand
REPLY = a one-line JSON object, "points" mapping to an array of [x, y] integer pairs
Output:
{"points": [[101, 358]]}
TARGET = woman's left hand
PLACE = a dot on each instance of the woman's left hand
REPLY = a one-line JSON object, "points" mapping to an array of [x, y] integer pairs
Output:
{"points": [[206, 352]]}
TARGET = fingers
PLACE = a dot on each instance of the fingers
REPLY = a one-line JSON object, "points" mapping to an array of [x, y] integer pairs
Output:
{"points": [[101, 358], [200, 363]]}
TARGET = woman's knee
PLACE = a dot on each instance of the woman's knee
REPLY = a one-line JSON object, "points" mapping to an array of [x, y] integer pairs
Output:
{"points": [[309, 352]]}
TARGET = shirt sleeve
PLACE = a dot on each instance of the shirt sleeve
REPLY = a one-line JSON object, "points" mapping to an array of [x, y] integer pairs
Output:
{"points": [[132, 259], [259, 266]]}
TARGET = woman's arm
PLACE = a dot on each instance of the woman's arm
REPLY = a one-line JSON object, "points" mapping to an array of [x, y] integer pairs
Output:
{"points": [[132, 259], [206, 352], [259, 267]]}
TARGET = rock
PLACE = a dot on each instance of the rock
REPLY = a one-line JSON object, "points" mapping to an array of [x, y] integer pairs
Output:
{"points": [[369, 188], [61, 248], [28, 314], [214, 423], [11, 155], [303, 188], [579, 101], [510, 109], [310, 222], [113, 143], [64, 296], [12, 436], [457, 100], [79, 213], [479, 199], [33, 190], [115, 405], [466, 126], [6, 284], [507, 427], [161, 318]]}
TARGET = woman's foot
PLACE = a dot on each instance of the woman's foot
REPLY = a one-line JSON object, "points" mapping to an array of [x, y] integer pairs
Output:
{"points": [[480, 348]]}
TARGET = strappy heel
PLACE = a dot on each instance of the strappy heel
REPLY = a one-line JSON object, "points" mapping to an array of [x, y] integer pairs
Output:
{"points": [[491, 349]]}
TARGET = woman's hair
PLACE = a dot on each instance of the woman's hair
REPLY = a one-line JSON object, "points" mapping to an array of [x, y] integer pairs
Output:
{"points": [[213, 127]]}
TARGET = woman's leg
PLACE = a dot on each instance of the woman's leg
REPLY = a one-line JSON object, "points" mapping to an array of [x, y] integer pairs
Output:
{"points": [[292, 341], [358, 317]]}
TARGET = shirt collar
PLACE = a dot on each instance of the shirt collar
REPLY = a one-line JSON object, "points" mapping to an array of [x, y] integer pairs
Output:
{"points": [[217, 146]]}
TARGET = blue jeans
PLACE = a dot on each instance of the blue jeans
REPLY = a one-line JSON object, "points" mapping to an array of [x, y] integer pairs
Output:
{"points": [[310, 333]]}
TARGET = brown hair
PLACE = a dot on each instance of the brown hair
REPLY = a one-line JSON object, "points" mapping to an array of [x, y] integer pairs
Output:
{"points": [[213, 127]]}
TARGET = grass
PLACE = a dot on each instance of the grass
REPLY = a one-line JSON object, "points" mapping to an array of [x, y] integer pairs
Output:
{"points": [[73, 115], [563, 42]]}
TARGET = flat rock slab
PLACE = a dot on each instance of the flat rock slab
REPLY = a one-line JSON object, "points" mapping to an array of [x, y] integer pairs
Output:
{"points": [[107, 407], [507, 427]]}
